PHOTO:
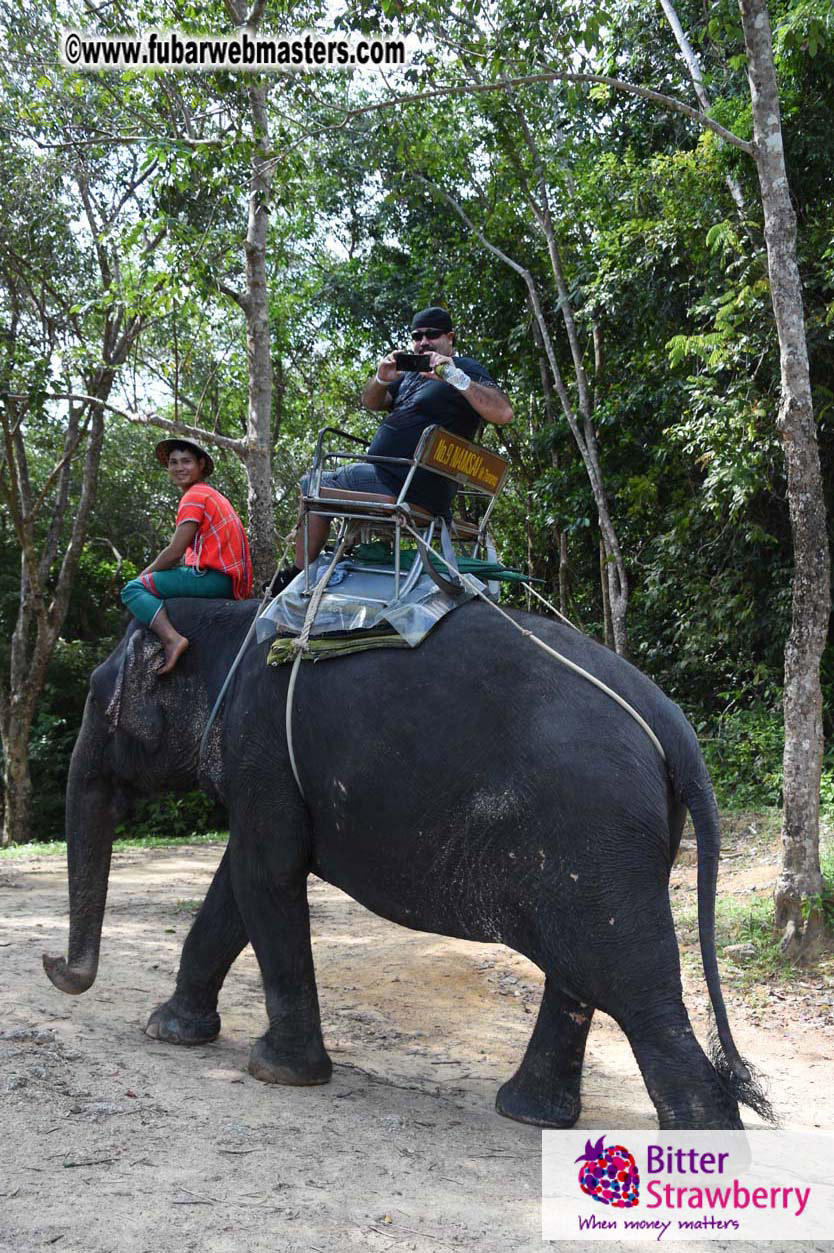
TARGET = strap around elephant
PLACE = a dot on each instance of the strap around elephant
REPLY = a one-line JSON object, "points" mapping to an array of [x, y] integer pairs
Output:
{"points": [[231, 674], [265, 599], [453, 586], [301, 644]]}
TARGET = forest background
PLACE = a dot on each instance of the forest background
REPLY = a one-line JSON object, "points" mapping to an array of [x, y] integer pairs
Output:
{"points": [[231, 254]]}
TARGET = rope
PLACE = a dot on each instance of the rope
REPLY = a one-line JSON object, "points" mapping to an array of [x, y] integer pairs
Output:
{"points": [[552, 608], [288, 539], [290, 694], [300, 646], [615, 696]]}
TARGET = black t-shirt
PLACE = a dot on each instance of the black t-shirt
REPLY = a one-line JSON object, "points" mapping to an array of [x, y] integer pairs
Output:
{"points": [[420, 402]]}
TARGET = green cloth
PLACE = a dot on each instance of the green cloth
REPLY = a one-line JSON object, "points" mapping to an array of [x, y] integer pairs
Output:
{"points": [[319, 648], [379, 553]]}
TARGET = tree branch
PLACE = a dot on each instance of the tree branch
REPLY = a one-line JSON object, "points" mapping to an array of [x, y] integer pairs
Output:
{"points": [[122, 140], [72, 555], [549, 76], [237, 446], [694, 67], [255, 14], [74, 435], [103, 260], [238, 297]]}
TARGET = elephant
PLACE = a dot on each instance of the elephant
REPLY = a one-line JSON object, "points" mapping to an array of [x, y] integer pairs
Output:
{"points": [[473, 787]]}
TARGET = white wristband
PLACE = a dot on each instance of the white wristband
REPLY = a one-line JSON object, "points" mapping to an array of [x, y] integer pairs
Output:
{"points": [[382, 382]]}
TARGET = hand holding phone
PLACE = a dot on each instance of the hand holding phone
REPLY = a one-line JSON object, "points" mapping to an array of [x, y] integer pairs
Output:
{"points": [[418, 362]]}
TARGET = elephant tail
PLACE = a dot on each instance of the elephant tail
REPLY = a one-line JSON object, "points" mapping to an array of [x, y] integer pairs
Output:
{"points": [[737, 1076]]}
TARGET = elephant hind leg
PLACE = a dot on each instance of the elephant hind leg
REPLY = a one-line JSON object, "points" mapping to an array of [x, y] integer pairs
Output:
{"points": [[685, 1087], [645, 998], [544, 1090]]}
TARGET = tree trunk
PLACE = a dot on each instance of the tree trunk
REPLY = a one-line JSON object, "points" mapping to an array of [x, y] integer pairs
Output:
{"points": [[259, 426], [616, 576], [606, 598], [586, 442], [800, 882], [17, 783], [529, 536], [255, 306], [617, 602], [563, 573], [38, 626]]}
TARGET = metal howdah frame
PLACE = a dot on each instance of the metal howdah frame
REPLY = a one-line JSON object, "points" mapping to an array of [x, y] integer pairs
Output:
{"points": [[397, 511]]}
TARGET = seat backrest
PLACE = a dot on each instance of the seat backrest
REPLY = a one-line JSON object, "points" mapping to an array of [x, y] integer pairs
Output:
{"points": [[456, 458]]}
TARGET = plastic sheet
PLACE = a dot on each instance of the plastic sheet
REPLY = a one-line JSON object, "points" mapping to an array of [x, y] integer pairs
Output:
{"points": [[358, 599]]}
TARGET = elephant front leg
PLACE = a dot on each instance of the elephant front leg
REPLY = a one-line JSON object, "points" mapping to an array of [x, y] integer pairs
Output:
{"points": [[217, 937], [273, 901], [544, 1090]]}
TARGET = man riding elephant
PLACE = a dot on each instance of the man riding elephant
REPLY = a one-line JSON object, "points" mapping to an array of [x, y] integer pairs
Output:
{"points": [[209, 536], [454, 392]]}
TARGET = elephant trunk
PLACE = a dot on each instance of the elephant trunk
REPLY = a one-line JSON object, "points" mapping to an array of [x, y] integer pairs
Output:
{"points": [[90, 826]]}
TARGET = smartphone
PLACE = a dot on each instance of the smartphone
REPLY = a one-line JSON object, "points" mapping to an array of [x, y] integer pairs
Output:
{"points": [[417, 361]]}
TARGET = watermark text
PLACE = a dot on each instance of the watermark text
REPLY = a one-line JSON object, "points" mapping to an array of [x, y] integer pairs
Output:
{"points": [[173, 50]]}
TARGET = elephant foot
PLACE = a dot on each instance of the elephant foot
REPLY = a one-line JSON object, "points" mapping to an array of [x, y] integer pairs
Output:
{"points": [[177, 1025], [299, 1068], [516, 1101]]}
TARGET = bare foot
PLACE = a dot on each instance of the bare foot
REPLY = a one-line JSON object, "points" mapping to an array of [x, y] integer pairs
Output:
{"points": [[173, 651]]}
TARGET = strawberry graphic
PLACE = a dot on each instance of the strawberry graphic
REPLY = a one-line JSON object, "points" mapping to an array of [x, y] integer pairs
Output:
{"points": [[609, 1175]]}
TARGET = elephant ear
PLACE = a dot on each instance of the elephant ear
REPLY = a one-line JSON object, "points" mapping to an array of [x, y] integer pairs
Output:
{"points": [[130, 696]]}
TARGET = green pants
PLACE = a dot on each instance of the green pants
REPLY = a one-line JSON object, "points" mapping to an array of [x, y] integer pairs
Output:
{"points": [[146, 595]]}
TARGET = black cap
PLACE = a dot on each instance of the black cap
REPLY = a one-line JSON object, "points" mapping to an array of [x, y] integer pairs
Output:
{"points": [[435, 317], [166, 446]]}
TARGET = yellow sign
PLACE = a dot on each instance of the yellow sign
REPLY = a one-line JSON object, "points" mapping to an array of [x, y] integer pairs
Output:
{"points": [[465, 462]]}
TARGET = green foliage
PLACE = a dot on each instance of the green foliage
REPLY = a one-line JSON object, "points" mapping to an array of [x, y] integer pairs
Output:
{"points": [[743, 751], [752, 924], [50, 748], [172, 817], [58, 848], [803, 28], [56, 727], [190, 907], [824, 904]]}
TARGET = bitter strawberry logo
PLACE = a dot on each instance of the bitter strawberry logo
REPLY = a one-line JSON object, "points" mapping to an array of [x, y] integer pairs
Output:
{"points": [[609, 1175]]}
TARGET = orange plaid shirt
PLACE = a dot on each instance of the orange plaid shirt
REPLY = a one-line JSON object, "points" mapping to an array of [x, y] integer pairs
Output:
{"points": [[220, 542]]}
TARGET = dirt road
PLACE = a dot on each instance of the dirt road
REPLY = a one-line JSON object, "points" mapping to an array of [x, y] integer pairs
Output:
{"points": [[111, 1141]]}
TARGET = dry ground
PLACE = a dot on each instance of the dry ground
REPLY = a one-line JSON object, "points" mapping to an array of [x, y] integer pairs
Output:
{"points": [[111, 1141]]}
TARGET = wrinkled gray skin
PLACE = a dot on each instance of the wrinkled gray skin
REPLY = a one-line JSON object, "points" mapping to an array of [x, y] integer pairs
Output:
{"points": [[474, 788]]}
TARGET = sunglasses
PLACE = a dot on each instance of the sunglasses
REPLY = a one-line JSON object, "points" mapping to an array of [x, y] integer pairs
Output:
{"points": [[425, 333]]}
